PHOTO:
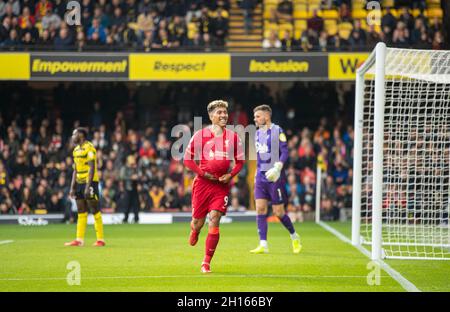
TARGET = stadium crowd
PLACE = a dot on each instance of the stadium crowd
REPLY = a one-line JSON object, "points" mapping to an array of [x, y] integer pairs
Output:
{"points": [[35, 147], [147, 25], [345, 32], [138, 24]]}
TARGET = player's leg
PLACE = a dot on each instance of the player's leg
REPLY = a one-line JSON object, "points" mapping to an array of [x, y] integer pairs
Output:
{"points": [[93, 206], [196, 227], [199, 210], [82, 217], [279, 199], [280, 212], [261, 221], [212, 239]]}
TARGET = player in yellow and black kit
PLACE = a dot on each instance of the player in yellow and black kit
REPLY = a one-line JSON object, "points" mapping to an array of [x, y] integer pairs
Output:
{"points": [[84, 187]]}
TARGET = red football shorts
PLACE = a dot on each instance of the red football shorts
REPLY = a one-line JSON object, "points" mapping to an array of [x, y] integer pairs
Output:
{"points": [[208, 195]]}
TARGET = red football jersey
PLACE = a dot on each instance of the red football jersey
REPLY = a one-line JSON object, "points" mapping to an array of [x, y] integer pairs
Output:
{"points": [[215, 154]]}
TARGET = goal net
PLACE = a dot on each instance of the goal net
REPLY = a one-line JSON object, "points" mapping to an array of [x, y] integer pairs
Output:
{"points": [[402, 154]]}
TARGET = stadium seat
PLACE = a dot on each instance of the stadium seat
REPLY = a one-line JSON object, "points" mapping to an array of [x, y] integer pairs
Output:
{"points": [[433, 4], [387, 3], [359, 14], [415, 12], [358, 4], [302, 14], [345, 29], [330, 26], [300, 7], [394, 12], [300, 25], [431, 13], [271, 2], [329, 14]]}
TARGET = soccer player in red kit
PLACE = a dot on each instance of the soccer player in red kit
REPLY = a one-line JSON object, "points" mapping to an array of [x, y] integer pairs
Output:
{"points": [[215, 147]]}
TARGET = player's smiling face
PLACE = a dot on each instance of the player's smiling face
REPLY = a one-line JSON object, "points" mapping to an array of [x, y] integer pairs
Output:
{"points": [[219, 117]]}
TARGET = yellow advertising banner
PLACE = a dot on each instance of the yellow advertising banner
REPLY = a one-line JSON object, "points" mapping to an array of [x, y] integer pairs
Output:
{"points": [[343, 66], [14, 66], [180, 66]]}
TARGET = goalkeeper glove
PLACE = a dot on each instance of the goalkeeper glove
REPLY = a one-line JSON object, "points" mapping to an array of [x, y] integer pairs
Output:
{"points": [[273, 174]]}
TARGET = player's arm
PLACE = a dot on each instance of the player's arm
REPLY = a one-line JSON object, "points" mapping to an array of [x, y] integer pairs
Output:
{"points": [[191, 164], [273, 174], [91, 164], [73, 182], [238, 161]]}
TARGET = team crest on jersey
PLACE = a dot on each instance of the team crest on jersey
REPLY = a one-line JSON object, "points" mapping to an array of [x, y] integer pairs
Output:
{"points": [[226, 143]]}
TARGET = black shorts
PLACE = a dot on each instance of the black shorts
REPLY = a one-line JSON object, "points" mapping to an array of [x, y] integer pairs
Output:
{"points": [[93, 191]]}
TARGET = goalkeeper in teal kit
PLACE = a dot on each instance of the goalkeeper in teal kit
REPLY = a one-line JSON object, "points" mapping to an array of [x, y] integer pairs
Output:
{"points": [[270, 179]]}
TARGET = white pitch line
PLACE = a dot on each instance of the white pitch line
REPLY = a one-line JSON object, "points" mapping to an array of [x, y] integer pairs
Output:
{"points": [[187, 276], [6, 242], [407, 285]]}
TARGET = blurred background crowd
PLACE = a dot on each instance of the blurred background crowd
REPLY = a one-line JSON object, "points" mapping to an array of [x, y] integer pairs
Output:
{"points": [[235, 25]]}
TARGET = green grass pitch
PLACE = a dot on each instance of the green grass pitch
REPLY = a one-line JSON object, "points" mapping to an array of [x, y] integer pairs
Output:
{"points": [[158, 258]]}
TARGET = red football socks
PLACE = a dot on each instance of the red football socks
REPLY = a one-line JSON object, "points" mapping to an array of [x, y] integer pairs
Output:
{"points": [[211, 243]]}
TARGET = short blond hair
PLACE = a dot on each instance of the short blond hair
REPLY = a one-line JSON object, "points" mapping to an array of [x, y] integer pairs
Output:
{"points": [[216, 104]]}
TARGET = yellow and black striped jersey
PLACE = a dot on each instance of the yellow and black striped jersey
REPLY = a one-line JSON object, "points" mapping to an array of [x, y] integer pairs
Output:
{"points": [[81, 155]]}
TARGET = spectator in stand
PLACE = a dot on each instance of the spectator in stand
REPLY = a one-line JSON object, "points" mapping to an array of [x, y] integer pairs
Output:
{"points": [[400, 37], [118, 21], [272, 42], [41, 9], [103, 18], [50, 21], [63, 41], [373, 37], [406, 18], [97, 29], [220, 30], [26, 17], [45, 40], [306, 40], [144, 23], [323, 41], [285, 10], [163, 41], [438, 41], [345, 29], [288, 43], [388, 22], [33, 33], [315, 22], [357, 37], [177, 30]]}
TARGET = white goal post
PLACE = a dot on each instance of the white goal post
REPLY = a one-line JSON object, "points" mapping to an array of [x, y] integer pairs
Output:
{"points": [[401, 182]]}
